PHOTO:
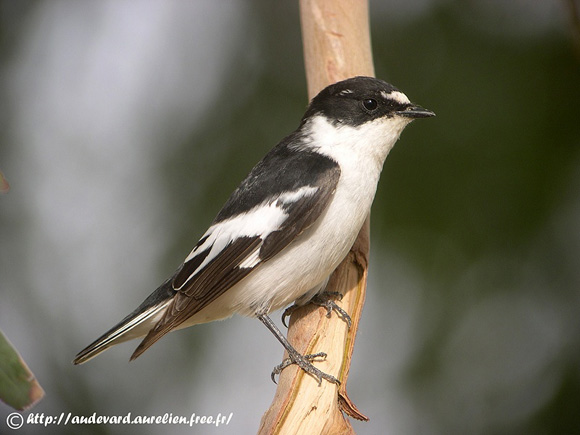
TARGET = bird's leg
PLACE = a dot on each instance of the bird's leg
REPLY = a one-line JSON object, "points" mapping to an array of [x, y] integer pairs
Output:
{"points": [[295, 357], [325, 300]]}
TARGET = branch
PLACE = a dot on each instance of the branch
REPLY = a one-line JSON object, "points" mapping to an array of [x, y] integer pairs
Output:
{"points": [[337, 46]]}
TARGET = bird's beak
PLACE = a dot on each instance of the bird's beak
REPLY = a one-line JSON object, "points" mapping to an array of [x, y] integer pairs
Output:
{"points": [[415, 112]]}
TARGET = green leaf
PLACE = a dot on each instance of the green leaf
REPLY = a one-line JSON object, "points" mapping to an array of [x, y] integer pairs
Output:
{"points": [[18, 386]]}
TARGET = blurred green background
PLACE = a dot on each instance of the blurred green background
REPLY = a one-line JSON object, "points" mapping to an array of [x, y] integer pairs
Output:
{"points": [[125, 124]]}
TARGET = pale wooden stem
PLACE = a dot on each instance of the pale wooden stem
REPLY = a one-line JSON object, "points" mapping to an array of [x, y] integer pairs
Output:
{"points": [[337, 45]]}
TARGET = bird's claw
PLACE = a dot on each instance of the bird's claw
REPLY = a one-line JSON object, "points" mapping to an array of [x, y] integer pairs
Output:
{"points": [[304, 362], [325, 300]]}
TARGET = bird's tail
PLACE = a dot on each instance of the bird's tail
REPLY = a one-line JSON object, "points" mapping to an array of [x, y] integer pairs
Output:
{"points": [[135, 325]]}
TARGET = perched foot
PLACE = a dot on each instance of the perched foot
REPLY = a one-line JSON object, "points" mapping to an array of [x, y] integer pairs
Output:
{"points": [[295, 357], [304, 362], [325, 300]]}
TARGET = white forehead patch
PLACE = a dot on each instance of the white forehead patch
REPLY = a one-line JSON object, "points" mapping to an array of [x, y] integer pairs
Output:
{"points": [[399, 97], [345, 92]]}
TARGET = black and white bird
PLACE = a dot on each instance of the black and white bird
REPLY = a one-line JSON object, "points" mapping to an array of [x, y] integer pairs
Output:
{"points": [[287, 226]]}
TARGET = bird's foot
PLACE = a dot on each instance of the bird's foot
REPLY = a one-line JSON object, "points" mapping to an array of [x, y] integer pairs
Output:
{"points": [[325, 300], [304, 362]]}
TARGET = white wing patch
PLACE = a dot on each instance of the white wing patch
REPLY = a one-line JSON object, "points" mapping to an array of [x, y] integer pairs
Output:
{"points": [[259, 221], [290, 197]]}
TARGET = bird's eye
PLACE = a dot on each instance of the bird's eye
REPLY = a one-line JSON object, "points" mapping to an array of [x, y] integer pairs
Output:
{"points": [[370, 104]]}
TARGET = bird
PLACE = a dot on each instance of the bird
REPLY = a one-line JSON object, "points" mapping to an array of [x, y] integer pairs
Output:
{"points": [[286, 227]]}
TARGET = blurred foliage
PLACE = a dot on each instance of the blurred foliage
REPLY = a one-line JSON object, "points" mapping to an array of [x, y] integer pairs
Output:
{"points": [[505, 145]]}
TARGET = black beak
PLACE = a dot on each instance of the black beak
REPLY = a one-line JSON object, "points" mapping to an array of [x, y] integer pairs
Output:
{"points": [[413, 111]]}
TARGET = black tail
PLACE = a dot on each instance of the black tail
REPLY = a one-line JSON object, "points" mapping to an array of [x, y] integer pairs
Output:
{"points": [[135, 325]]}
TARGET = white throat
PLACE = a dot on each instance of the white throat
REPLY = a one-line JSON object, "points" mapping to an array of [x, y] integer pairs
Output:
{"points": [[369, 143]]}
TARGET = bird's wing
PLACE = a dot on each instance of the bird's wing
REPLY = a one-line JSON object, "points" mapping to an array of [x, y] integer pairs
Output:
{"points": [[260, 219]]}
